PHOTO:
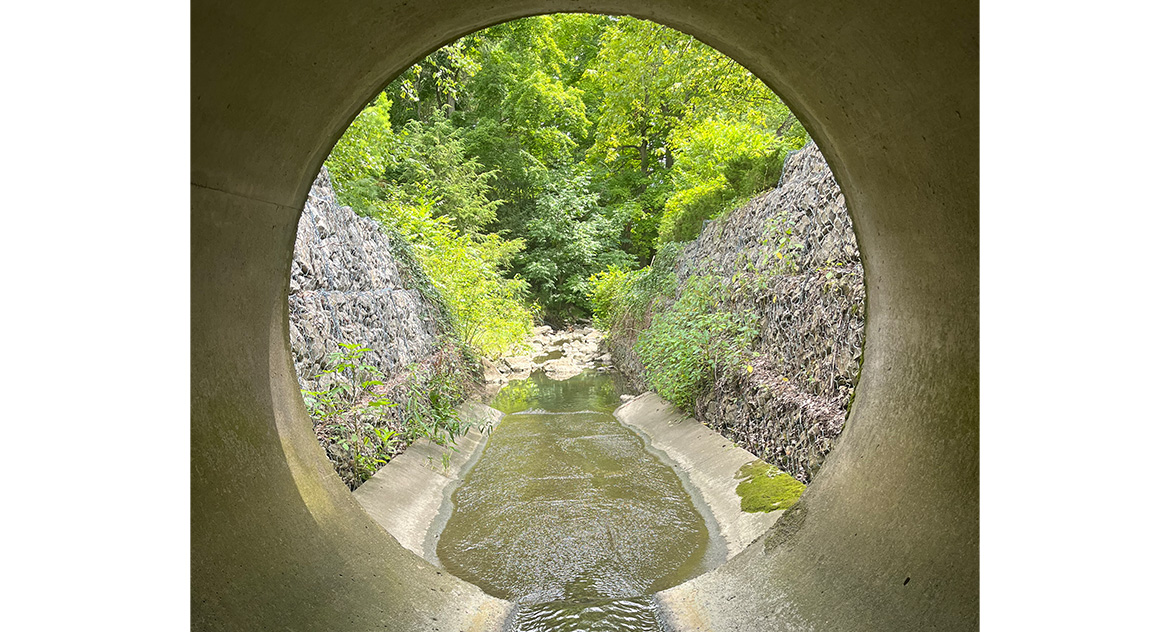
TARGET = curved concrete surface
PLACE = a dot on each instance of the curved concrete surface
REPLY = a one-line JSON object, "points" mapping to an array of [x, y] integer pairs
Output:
{"points": [[705, 460], [887, 536], [410, 497]]}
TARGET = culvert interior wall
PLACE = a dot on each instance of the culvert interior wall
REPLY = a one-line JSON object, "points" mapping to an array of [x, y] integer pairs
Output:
{"points": [[890, 93]]}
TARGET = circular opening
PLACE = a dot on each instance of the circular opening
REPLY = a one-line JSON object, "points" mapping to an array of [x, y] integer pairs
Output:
{"points": [[652, 205], [890, 91]]}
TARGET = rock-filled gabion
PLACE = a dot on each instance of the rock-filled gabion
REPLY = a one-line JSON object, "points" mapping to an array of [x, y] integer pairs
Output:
{"points": [[351, 283], [789, 256]]}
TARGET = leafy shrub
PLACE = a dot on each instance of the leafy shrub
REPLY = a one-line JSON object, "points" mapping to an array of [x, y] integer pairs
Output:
{"points": [[747, 174], [490, 311], [605, 290], [430, 161], [355, 412], [655, 281], [620, 299], [722, 164], [363, 429], [686, 210], [688, 343], [363, 150]]}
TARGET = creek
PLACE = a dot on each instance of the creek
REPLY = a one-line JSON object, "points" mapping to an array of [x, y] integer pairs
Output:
{"points": [[569, 514]]}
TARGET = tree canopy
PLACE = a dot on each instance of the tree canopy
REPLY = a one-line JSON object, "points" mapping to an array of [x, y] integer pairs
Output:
{"points": [[537, 153]]}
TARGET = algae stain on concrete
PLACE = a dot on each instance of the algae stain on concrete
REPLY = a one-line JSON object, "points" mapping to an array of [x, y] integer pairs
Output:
{"points": [[765, 488]]}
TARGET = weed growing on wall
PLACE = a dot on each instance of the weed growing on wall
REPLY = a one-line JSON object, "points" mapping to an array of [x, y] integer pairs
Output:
{"points": [[365, 419], [687, 345], [354, 411]]}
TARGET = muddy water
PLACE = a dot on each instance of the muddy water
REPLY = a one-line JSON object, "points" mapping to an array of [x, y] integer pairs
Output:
{"points": [[568, 513]]}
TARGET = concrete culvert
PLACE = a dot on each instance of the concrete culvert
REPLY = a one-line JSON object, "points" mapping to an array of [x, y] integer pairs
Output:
{"points": [[890, 94]]}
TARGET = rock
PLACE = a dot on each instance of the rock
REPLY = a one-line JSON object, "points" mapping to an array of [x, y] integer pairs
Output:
{"points": [[577, 351], [520, 375], [490, 373], [562, 369], [518, 364], [336, 452], [347, 285]]}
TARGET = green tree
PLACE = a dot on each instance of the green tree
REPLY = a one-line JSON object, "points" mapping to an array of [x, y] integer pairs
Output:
{"points": [[570, 239], [434, 87], [669, 99], [431, 161], [522, 118], [359, 159], [582, 140], [422, 186]]}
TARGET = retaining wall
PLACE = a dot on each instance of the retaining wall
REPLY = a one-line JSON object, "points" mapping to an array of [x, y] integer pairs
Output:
{"points": [[790, 257]]}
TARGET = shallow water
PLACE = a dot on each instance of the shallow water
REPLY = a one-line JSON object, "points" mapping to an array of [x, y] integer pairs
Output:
{"points": [[567, 512]]}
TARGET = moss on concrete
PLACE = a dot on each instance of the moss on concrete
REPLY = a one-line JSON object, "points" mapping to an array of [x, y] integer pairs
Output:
{"points": [[765, 488]]}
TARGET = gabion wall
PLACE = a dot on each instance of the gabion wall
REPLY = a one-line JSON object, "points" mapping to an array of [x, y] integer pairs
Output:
{"points": [[351, 283], [791, 257]]}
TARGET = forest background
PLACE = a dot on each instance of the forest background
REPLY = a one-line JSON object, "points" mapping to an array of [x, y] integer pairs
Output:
{"points": [[531, 162]]}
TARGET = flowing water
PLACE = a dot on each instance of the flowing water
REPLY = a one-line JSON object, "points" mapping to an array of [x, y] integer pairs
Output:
{"points": [[569, 514]]}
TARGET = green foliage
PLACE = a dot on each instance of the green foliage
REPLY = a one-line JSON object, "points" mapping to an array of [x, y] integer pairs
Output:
{"points": [[778, 234], [434, 87], [687, 209], [362, 151], [428, 410], [430, 162], [765, 488], [552, 149], [687, 344], [354, 411], [435, 196], [621, 299], [722, 164], [654, 281], [674, 114], [491, 312], [748, 175], [584, 141], [523, 118], [570, 240], [606, 290]]}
